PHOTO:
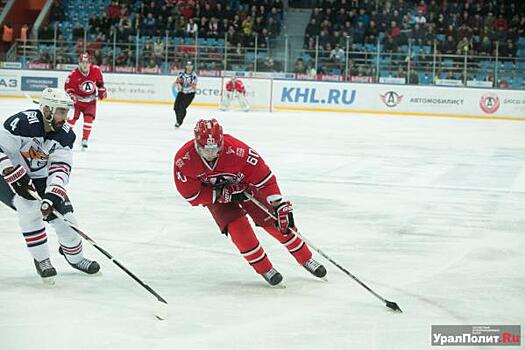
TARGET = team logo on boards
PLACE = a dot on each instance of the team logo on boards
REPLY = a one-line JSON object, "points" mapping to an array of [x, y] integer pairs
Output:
{"points": [[391, 98], [489, 103]]}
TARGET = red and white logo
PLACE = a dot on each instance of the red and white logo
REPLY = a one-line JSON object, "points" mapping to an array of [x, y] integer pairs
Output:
{"points": [[391, 98], [489, 103]]}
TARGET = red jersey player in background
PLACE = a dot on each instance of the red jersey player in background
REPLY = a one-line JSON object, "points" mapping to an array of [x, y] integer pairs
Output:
{"points": [[214, 170], [82, 85], [235, 90]]}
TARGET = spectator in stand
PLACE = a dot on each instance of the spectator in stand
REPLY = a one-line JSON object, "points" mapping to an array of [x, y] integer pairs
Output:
{"points": [[337, 55], [149, 25], [390, 46], [191, 28], [449, 47], [463, 46], [113, 10], [299, 66], [7, 36], [24, 33], [394, 31]]}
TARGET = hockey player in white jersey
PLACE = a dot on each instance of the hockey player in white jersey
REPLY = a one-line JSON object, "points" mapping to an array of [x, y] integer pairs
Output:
{"points": [[235, 90], [36, 156]]}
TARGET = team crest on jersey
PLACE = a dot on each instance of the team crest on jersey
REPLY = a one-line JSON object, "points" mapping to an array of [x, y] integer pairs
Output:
{"points": [[35, 157], [222, 179], [88, 86]]}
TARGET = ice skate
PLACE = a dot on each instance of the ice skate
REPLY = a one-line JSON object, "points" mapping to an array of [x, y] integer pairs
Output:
{"points": [[90, 267], [177, 125], [84, 145], [272, 277], [46, 271], [315, 268]]}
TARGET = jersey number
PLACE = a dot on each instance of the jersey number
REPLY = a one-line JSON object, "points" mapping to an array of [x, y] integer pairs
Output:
{"points": [[253, 157], [181, 177], [14, 124]]}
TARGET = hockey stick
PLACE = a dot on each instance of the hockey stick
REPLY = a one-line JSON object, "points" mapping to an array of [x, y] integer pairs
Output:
{"points": [[390, 304], [161, 312]]}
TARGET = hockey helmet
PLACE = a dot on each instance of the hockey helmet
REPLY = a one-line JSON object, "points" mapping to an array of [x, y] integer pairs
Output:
{"points": [[55, 99], [209, 138]]}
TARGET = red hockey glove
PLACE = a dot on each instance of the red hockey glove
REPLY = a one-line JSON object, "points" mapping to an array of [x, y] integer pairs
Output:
{"points": [[72, 95], [20, 182], [284, 214], [102, 93], [232, 193], [52, 199]]}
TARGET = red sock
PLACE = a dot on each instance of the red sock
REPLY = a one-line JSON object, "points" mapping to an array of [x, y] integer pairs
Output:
{"points": [[88, 125], [244, 238], [293, 243], [73, 120]]}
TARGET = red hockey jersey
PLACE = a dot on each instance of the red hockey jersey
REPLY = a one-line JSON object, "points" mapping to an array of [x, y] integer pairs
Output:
{"points": [[237, 86], [84, 86], [237, 163]]}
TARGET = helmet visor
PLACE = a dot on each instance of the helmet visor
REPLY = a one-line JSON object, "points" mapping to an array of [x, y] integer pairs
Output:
{"points": [[208, 152]]}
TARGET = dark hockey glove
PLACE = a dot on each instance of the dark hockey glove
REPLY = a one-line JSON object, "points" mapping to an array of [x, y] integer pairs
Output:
{"points": [[283, 212], [232, 193], [52, 199], [20, 182]]}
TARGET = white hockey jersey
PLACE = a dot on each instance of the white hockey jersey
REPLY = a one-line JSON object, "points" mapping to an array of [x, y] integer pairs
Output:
{"points": [[24, 142]]}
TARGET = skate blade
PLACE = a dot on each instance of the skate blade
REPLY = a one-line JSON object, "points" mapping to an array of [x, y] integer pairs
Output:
{"points": [[48, 281]]}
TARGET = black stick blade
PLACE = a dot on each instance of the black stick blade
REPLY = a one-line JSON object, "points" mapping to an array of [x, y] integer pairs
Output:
{"points": [[392, 305]]}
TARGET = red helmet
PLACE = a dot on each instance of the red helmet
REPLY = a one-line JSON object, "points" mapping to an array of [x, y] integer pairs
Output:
{"points": [[209, 138]]}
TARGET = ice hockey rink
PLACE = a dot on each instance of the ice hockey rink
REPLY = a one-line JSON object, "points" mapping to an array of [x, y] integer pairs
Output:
{"points": [[429, 212]]}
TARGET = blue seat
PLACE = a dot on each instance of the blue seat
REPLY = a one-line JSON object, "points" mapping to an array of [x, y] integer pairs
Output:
{"points": [[520, 66], [424, 78], [427, 49], [415, 50], [404, 48], [447, 63], [188, 41], [177, 41], [441, 37], [517, 83], [371, 47], [485, 64], [385, 74], [220, 42]]}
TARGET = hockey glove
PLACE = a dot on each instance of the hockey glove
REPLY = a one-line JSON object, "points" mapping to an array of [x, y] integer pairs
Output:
{"points": [[72, 95], [232, 193], [283, 212], [102, 93], [21, 183], [52, 199]]}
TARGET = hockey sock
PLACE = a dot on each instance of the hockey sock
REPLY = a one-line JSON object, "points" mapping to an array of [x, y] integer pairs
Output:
{"points": [[88, 125], [36, 242], [30, 221], [69, 240], [293, 243], [248, 245]]}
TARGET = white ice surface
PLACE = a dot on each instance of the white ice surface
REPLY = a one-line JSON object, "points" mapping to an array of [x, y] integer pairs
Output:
{"points": [[430, 212]]}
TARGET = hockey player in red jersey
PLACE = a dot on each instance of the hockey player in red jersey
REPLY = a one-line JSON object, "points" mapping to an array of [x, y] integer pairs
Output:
{"points": [[82, 85], [235, 90], [214, 170]]}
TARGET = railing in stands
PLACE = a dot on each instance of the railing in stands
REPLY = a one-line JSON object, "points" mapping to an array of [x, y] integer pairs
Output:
{"points": [[410, 64]]}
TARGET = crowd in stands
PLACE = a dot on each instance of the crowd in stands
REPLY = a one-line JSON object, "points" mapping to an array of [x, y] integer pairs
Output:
{"points": [[239, 24], [473, 27]]}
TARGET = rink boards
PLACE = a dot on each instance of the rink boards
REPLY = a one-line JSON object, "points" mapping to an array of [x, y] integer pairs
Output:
{"points": [[296, 95]]}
